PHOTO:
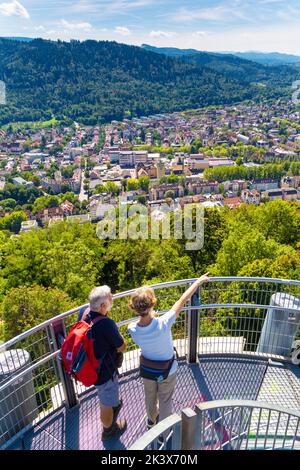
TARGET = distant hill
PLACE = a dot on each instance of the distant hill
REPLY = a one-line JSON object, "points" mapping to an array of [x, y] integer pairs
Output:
{"points": [[271, 58], [97, 81], [22, 39], [170, 51], [265, 58], [229, 64]]}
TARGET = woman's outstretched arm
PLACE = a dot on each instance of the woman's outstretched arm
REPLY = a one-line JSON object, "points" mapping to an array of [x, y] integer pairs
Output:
{"points": [[178, 306]]}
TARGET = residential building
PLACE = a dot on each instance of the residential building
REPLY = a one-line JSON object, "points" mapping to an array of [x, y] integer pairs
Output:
{"points": [[159, 191], [235, 186], [203, 187], [290, 182], [233, 202], [19, 180], [289, 194], [251, 197], [264, 184], [131, 159]]}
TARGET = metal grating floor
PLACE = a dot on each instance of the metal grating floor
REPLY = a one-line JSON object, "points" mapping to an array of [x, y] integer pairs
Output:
{"points": [[214, 378]]}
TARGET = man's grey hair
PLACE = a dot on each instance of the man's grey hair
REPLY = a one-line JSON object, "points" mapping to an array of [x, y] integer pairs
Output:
{"points": [[98, 296]]}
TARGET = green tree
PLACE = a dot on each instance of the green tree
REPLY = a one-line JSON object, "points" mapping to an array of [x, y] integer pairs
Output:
{"points": [[45, 202], [242, 247], [27, 306], [112, 188], [169, 194], [132, 184], [7, 204], [67, 171], [141, 200], [13, 221], [144, 182]]}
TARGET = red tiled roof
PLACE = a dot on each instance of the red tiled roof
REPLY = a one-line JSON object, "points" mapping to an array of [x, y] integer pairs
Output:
{"points": [[233, 201]]}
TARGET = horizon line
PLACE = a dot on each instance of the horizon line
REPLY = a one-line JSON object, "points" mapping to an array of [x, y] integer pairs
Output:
{"points": [[144, 44]]}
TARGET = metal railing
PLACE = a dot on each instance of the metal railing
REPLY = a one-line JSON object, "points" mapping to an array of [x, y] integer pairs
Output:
{"points": [[227, 316], [226, 425], [163, 436]]}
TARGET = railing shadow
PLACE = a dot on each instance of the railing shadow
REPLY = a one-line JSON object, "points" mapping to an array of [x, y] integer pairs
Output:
{"points": [[221, 378]]}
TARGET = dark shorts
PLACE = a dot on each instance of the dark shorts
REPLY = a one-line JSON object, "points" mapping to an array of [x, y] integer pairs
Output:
{"points": [[108, 393]]}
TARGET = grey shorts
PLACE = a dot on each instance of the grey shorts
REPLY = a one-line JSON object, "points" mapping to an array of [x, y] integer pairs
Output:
{"points": [[108, 393]]}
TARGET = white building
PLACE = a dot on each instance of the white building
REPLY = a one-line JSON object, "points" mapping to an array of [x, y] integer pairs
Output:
{"points": [[243, 138], [28, 225], [131, 159]]}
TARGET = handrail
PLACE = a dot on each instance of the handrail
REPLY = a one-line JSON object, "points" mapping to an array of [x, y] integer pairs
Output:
{"points": [[210, 405], [162, 285], [29, 369], [160, 428], [37, 364], [126, 322], [149, 438]]}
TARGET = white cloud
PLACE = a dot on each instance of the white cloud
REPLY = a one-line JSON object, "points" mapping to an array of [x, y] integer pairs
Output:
{"points": [[281, 38], [75, 26], [110, 6], [251, 12], [14, 9], [199, 34], [51, 32], [288, 13], [124, 5], [84, 6], [162, 34], [216, 14], [122, 30]]}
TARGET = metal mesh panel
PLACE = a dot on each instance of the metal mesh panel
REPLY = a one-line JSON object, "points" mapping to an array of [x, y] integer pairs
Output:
{"points": [[248, 428], [29, 398], [38, 345], [235, 329]]}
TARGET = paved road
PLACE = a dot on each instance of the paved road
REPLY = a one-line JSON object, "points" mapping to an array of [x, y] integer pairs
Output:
{"points": [[82, 195]]}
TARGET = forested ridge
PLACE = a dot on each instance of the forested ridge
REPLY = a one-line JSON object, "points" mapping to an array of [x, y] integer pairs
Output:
{"points": [[95, 82]]}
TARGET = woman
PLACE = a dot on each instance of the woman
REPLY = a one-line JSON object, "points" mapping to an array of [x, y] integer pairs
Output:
{"points": [[152, 333]]}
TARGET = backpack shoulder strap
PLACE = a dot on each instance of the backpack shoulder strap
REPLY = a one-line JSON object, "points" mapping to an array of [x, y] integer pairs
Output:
{"points": [[93, 322], [86, 317], [86, 314]]}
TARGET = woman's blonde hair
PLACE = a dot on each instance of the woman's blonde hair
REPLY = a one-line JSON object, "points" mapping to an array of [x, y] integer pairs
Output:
{"points": [[143, 300]]}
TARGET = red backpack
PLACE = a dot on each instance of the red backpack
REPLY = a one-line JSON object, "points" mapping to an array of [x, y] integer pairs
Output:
{"points": [[77, 353]]}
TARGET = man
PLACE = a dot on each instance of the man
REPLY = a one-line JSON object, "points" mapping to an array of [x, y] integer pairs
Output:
{"points": [[107, 343]]}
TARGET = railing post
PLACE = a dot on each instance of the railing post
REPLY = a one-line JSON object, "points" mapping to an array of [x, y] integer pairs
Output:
{"points": [[189, 429], [58, 333], [193, 329], [176, 438], [200, 434]]}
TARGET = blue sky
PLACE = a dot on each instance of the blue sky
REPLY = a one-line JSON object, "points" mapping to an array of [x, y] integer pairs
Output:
{"points": [[216, 25]]}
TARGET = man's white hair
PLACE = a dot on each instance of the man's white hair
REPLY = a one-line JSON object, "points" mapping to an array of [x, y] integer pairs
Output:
{"points": [[98, 296]]}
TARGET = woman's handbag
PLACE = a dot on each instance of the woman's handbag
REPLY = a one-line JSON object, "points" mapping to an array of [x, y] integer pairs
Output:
{"points": [[155, 370]]}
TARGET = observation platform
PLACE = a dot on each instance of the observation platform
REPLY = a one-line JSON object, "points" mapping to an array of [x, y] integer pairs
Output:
{"points": [[215, 378], [233, 340]]}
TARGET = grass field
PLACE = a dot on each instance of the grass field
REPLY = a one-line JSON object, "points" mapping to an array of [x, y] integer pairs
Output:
{"points": [[33, 124]]}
